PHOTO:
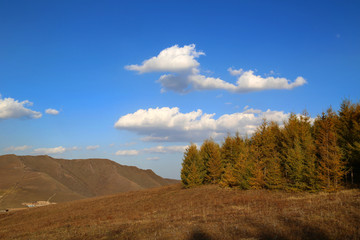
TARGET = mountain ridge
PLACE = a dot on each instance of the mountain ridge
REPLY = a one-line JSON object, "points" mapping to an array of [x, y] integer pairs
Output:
{"points": [[31, 178]]}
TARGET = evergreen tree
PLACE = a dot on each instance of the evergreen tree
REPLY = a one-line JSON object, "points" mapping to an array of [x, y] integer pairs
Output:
{"points": [[193, 170], [210, 154], [228, 155], [266, 170], [231, 149], [228, 179], [242, 168], [330, 166], [274, 177], [349, 138], [298, 153]]}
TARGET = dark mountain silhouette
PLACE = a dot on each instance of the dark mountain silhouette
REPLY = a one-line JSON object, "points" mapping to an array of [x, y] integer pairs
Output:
{"points": [[34, 178]]}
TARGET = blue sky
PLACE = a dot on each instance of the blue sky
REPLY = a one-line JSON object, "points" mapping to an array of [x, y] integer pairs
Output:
{"points": [[136, 81]]}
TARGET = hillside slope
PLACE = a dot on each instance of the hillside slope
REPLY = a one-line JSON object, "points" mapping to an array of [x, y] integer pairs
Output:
{"points": [[33, 178], [206, 212]]}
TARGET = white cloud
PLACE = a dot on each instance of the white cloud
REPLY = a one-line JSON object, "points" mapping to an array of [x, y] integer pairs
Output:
{"points": [[128, 144], [11, 108], [248, 82], [235, 72], [55, 150], [92, 147], [183, 74], [152, 158], [52, 111], [18, 148], [127, 153], [153, 150], [73, 149], [165, 149], [169, 124], [172, 59]]}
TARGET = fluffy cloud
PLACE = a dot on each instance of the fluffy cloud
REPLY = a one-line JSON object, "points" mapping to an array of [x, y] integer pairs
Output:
{"points": [[55, 150], [52, 111], [127, 153], [183, 74], [169, 124], [11, 108], [172, 59], [92, 147], [18, 148], [248, 82]]}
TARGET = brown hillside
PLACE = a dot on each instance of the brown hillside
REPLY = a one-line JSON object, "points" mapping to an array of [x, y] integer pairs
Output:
{"points": [[33, 178], [206, 212]]}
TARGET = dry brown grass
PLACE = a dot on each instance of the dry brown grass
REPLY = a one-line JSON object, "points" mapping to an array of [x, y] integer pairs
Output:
{"points": [[36, 178], [206, 212]]}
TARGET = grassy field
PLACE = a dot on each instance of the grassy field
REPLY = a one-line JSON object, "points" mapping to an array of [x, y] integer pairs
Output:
{"points": [[206, 212]]}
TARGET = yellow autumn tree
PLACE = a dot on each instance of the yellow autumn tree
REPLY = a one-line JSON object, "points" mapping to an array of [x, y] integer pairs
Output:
{"points": [[331, 168], [210, 154], [193, 169]]}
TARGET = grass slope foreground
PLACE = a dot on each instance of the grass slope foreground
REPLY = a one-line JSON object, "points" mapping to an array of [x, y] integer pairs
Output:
{"points": [[37, 178], [205, 212]]}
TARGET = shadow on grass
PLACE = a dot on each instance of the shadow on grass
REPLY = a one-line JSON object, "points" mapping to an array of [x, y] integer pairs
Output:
{"points": [[198, 234], [290, 229]]}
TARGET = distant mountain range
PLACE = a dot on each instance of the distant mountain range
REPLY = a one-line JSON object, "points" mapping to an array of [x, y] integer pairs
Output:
{"points": [[37, 178]]}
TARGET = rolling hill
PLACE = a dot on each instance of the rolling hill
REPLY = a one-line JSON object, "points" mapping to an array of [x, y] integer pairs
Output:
{"points": [[34, 178]]}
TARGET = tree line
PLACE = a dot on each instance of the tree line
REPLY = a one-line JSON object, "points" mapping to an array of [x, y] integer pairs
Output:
{"points": [[301, 155]]}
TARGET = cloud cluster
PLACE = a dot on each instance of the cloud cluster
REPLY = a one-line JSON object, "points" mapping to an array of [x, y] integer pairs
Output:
{"points": [[55, 150], [11, 108], [52, 111], [183, 74], [169, 124], [17, 148]]}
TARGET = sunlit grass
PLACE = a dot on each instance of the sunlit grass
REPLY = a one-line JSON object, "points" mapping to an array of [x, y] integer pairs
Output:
{"points": [[207, 212]]}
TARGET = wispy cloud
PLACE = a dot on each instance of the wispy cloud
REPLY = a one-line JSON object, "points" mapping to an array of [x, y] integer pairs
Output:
{"points": [[52, 111], [55, 150], [127, 153], [171, 125], [11, 108], [153, 150], [165, 149], [183, 74], [17, 148], [94, 147]]}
